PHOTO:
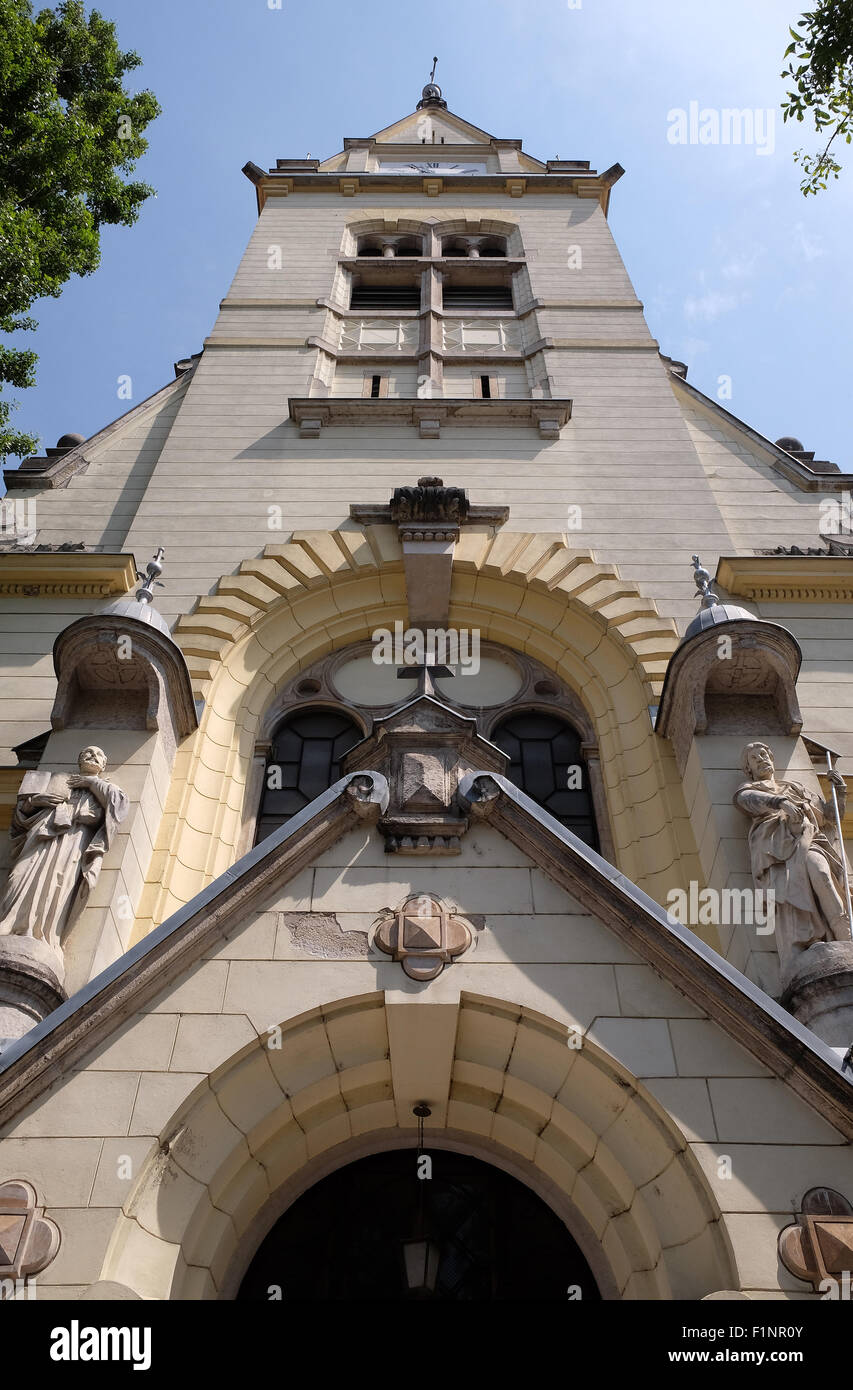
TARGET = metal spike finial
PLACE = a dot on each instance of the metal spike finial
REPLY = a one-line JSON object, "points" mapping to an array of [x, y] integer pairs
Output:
{"points": [[703, 585], [153, 569], [431, 94]]}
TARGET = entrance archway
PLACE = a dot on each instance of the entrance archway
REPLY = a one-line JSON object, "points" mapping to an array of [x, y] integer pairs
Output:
{"points": [[374, 1230], [573, 1125]]}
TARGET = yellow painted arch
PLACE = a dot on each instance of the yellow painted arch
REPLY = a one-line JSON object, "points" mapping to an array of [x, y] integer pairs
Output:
{"points": [[325, 590]]}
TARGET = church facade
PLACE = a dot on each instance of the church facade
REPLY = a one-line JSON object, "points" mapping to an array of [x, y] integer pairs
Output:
{"points": [[426, 878]]}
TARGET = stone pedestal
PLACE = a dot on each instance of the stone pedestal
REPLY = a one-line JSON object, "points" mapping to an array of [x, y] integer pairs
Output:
{"points": [[820, 992], [31, 979]]}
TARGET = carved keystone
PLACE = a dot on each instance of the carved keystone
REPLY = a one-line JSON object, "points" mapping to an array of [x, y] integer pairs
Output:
{"points": [[423, 935], [28, 1239], [819, 1245], [428, 517]]}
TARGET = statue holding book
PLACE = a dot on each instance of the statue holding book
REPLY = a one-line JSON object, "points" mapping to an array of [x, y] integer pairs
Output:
{"points": [[61, 829]]}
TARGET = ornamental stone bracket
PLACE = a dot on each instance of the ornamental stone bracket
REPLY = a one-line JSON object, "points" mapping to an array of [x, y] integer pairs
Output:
{"points": [[29, 1240], [818, 1246], [424, 750], [428, 519], [737, 676], [424, 935]]}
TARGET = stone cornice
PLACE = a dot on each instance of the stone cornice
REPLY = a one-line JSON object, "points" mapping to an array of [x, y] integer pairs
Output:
{"points": [[487, 264], [314, 413], [519, 183], [68, 574], [788, 578], [241, 302]]}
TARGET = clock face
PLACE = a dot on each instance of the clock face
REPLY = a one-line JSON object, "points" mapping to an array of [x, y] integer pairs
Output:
{"points": [[432, 167]]}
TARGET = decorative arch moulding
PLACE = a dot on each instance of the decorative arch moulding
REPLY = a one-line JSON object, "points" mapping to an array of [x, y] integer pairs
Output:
{"points": [[545, 564], [638, 1258], [325, 590]]}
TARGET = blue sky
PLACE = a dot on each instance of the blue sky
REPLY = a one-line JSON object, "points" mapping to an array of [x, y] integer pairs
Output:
{"points": [[741, 276]]}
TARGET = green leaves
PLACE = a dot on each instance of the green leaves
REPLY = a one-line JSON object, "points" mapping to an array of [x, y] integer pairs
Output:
{"points": [[69, 132], [823, 81]]}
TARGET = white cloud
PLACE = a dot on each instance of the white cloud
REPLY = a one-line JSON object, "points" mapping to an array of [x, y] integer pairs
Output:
{"points": [[710, 305], [809, 248], [742, 267]]}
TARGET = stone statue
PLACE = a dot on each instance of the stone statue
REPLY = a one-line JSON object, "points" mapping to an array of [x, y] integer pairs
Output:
{"points": [[61, 829], [793, 853]]}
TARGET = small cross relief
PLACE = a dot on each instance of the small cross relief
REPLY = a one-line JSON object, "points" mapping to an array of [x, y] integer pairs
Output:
{"points": [[424, 935]]}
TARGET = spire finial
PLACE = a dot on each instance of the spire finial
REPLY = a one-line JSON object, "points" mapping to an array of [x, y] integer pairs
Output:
{"points": [[431, 95], [153, 570], [703, 585]]}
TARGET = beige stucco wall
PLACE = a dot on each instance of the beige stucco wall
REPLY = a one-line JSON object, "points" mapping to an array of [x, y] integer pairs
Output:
{"points": [[624, 1136], [617, 1134]]}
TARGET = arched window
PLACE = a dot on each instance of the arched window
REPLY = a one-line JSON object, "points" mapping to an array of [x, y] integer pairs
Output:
{"points": [[304, 760], [546, 763]]}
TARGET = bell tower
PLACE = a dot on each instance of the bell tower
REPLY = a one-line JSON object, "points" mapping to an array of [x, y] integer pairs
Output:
{"points": [[430, 300]]}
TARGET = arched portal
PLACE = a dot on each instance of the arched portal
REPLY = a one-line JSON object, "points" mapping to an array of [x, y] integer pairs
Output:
{"points": [[504, 1085], [440, 1225]]}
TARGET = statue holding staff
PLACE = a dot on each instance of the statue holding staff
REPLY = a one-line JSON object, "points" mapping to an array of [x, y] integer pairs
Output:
{"points": [[794, 854]]}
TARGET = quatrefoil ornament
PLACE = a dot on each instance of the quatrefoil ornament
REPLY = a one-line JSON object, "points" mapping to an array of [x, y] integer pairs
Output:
{"points": [[818, 1245], [424, 935], [28, 1239]]}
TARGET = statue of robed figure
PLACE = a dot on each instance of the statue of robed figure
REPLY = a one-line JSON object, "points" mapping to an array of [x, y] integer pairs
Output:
{"points": [[61, 829], [794, 855]]}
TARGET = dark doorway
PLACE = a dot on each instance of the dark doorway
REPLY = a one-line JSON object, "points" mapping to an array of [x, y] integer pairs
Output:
{"points": [[490, 1237]]}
